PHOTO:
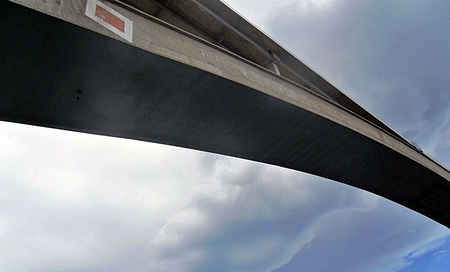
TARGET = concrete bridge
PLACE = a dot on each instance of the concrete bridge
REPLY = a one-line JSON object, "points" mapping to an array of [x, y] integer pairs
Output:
{"points": [[195, 74]]}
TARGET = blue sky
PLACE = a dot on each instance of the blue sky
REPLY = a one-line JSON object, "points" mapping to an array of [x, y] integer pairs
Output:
{"points": [[77, 202]]}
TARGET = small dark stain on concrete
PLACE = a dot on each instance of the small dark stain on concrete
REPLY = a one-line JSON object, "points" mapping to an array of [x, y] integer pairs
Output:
{"points": [[79, 92]]}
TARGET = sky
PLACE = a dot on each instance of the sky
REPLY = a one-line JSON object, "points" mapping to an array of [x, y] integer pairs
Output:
{"points": [[79, 202]]}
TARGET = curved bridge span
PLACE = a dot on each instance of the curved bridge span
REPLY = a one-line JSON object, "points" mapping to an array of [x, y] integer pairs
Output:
{"points": [[61, 69]]}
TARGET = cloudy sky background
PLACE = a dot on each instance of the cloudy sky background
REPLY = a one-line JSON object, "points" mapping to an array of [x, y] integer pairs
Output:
{"points": [[77, 202]]}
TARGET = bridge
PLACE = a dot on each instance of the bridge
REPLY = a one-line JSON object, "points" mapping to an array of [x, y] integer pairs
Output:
{"points": [[195, 74]]}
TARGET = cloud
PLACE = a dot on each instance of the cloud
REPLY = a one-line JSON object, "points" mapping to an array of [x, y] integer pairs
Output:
{"points": [[386, 238], [257, 222], [441, 254], [264, 12], [78, 201], [264, 218]]}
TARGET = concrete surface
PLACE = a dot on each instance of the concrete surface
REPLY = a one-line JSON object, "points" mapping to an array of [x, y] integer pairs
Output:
{"points": [[66, 71]]}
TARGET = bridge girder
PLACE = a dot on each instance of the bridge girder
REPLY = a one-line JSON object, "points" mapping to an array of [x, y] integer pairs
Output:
{"points": [[173, 88]]}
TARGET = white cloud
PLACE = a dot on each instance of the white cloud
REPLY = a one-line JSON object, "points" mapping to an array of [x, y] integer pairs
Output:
{"points": [[261, 13], [4, 227], [441, 254], [267, 215], [75, 200], [384, 239]]}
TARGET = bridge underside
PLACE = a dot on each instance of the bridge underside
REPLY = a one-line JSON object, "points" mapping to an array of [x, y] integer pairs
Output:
{"points": [[56, 74]]}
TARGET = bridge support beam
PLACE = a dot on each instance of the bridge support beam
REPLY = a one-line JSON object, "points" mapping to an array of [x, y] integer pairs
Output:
{"points": [[66, 71]]}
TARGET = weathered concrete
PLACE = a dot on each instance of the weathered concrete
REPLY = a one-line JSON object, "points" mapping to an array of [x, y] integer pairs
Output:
{"points": [[170, 87]]}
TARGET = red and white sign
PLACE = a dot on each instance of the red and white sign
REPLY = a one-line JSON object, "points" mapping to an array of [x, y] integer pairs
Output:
{"points": [[110, 19]]}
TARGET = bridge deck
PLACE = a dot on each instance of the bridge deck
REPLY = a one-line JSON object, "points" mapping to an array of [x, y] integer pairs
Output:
{"points": [[57, 74]]}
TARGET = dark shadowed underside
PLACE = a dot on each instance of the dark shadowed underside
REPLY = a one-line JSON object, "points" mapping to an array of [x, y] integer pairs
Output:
{"points": [[59, 75]]}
